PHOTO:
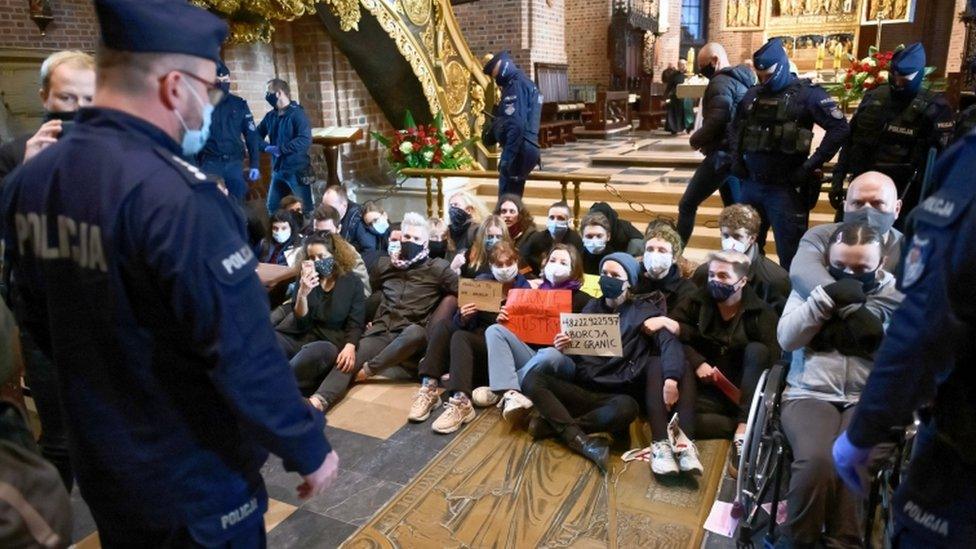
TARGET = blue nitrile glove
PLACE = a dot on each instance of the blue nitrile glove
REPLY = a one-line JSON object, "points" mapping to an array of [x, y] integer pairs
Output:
{"points": [[254, 174], [851, 463], [273, 150]]}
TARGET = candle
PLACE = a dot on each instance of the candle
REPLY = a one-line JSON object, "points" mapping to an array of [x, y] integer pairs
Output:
{"points": [[691, 61], [838, 56], [820, 57]]}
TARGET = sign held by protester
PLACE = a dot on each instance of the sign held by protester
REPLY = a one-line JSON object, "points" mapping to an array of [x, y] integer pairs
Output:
{"points": [[591, 285], [486, 295], [533, 315], [592, 335]]}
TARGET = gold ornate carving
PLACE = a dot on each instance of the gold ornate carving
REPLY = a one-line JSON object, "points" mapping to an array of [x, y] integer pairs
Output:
{"points": [[477, 106], [348, 13], [417, 10], [252, 20], [456, 87]]}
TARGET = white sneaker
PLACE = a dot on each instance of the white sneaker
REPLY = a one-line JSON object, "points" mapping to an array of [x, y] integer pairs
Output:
{"points": [[683, 448], [515, 407], [424, 402], [458, 411], [662, 459], [483, 397]]}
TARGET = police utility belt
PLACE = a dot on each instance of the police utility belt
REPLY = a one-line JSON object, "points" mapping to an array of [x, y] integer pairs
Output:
{"points": [[771, 126]]}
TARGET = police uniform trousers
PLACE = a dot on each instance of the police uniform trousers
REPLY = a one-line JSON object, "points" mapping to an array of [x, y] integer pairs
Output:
{"points": [[781, 207], [511, 176], [231, 171], [251, 537]]}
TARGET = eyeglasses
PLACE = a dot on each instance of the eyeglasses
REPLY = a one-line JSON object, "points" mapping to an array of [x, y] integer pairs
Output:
{"points": [[214, 94]]}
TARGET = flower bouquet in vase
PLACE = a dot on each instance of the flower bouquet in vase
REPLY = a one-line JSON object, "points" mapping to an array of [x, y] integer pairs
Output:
{"points": [[425, 146]]}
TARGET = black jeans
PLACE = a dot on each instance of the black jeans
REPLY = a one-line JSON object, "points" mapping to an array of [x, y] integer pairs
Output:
{"points": [[717, 416], [711, 174], [569, 407], [468, 363], [42, 378], [657, 414], [310, 362]]}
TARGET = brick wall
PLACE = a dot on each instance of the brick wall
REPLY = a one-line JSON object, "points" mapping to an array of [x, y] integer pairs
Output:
{"points": [[666, 50], [738, 44], [74, 26], [957, 39], [587, 23]]}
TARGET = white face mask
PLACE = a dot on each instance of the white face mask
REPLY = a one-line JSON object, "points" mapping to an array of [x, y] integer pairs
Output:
{"points": [[505, 274], [657, 264], [594, 245], [730, 244], [393, 248], [556, 272], [281, 236]]}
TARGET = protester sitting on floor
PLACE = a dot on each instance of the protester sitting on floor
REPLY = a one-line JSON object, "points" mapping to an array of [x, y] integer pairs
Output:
{"points": [[291, 203], [624, 236], [328, 315], [465, 212], [536, 247], [729, 333], [739, 226], [282, 237], [350, 213], [439, 238], [373, 234], [413, 286], [584, 394], [325, 220], [491, 232], [833, 335], [595, 230], [872, 198], [660, 274], [509, 359], [461, 351], [517, 218]]}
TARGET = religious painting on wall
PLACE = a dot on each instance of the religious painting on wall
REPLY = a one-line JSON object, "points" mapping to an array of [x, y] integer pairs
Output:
{"points": [[890, 11], [743, 15], [829, 9]]}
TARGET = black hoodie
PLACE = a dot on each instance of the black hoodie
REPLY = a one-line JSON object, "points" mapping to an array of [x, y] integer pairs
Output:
{"points": [[724, 92], [621, 230]]}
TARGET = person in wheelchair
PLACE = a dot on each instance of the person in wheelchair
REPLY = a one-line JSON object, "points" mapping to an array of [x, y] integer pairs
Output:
{"points": [[730, 334], [833, 335]]}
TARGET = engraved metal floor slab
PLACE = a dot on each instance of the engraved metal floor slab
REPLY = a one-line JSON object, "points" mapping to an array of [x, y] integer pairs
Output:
{"points": [[492, 487]]}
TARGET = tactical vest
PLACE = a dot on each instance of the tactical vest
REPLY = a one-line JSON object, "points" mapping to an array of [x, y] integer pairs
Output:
{"points": [[883, 137], [771, 123]]}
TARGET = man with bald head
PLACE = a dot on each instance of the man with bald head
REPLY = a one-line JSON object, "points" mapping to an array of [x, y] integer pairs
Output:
{"points": [[726, 87], [872, 198]]}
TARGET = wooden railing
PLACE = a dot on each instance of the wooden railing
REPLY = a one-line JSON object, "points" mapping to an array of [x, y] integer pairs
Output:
{"points": [[564, 179]]}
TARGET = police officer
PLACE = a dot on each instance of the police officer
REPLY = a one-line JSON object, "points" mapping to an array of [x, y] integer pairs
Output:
{"points": [[136, 278], [771, 143], [893, 131], [223, 154], [926, 360], [514, 125]]}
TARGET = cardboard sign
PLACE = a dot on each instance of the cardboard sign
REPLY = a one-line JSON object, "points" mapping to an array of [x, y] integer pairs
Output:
{"points": [[727, 387], [592, 335], [591, 285], [486, 295], [533, 315]]}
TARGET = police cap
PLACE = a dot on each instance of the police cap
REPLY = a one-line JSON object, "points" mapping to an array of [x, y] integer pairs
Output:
{"points": [[770, 54], [909, 60], [498, 58], [160, 26]]}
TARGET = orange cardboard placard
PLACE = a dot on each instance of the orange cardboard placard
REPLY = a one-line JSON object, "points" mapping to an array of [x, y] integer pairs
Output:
{"points": [[533, 315]]}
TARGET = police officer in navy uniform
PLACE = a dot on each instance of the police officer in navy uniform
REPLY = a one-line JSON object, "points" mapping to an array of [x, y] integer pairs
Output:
{"points": [[136, 278], [514, 125], [770, 143], [926, 363], [223, 154], [893, 131]]}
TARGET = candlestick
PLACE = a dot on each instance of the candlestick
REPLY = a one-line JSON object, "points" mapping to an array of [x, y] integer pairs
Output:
{"points": [[691, 61], [820, 57]]}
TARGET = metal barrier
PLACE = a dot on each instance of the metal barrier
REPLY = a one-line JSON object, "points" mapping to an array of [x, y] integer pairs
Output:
{"points": [[564, 179]]}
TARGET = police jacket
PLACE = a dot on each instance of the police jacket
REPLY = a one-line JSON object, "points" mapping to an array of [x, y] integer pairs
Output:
{"points": [[832, 373], [517, 116], [230, 121], [770, 281], [291, 131], [710, 337], [639, 349], [12, 155], [410, 295], [136, 278], [773, 132], [894, 137], [724, 93]]}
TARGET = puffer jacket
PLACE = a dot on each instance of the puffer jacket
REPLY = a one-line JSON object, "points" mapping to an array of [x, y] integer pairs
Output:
{"points": [[724, 92], [828, 375]]}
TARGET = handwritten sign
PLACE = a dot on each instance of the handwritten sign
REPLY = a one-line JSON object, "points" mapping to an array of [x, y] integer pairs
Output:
{"points": [[486, 295], [591, 285], [533, 315], [592, 335]]}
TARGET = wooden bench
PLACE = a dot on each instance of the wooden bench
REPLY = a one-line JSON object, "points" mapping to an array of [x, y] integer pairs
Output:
{"points": [[610, 111], [560, 112]]}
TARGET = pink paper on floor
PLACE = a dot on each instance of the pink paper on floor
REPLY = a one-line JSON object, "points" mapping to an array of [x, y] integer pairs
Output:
{"points": [[720, 519]]}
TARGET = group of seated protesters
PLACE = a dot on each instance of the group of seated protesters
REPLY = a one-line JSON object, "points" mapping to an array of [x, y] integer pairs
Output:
{"points": [[374, 297]]}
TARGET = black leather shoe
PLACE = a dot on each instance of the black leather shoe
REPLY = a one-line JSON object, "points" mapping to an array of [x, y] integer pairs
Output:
{"points": [[594, 448], [539, 428]]}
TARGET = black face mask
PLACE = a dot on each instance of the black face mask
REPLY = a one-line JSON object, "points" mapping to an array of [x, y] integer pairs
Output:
{"points": [[272, 99], [224, 87], [324, 267], [437, 249], [67, 116], [409, 250], [708, 71], [869, 280], [459, 217]]}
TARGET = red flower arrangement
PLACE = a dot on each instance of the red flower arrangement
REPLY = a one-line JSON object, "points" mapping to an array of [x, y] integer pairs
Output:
{"points": [[425, 146], [866, 74]]}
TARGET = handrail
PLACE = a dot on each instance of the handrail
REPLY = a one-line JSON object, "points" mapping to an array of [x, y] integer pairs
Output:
{"points": [[564, 180]]}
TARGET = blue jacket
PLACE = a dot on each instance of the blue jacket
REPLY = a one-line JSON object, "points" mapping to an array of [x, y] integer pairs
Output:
{"points": [[517, 115], [135, 276], [292, 133], [232, 119]]}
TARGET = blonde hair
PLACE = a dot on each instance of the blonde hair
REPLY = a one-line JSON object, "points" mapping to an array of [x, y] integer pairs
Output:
{"points": [[478, 256], [740, 262], [467, 199], [74, 58]]}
